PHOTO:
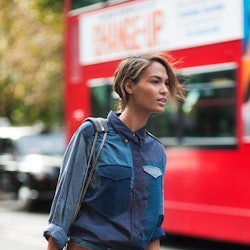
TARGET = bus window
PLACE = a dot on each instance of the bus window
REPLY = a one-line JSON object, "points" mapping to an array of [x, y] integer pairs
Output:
{"points": [[76, 4], [83, 3], [246, 113], [103, 98], [207, 117]]}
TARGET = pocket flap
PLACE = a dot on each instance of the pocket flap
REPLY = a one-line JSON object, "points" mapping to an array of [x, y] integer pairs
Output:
{"points": [[152, 170], [115, 172]]}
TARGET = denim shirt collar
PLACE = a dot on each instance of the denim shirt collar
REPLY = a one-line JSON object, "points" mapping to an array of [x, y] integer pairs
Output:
{"points": [[126, 133]]}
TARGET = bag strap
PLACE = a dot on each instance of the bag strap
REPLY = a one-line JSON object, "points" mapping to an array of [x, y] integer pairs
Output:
{"points": [[100, 125]]}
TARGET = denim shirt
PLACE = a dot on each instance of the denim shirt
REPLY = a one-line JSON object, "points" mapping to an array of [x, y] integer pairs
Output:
{"points": [[123, 207]]}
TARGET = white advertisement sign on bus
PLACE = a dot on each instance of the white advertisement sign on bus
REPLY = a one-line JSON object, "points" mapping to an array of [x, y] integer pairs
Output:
{"points": [[161, 25]]}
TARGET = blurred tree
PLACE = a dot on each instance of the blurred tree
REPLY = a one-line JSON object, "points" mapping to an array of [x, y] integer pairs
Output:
{"points": [[31, 61]]}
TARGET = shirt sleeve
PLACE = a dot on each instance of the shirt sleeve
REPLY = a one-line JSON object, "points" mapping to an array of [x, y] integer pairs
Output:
{"points": [[159, 232], [72, 172]]}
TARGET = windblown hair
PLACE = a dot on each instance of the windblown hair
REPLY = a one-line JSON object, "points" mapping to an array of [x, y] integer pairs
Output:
{"points": [[132, 67]]}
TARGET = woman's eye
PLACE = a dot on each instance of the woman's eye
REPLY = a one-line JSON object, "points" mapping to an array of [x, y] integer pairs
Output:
{"points": [[167, 83], [155, 81]]}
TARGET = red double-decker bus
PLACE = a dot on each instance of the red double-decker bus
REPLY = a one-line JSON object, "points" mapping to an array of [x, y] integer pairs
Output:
{"points": [[207, 138]]}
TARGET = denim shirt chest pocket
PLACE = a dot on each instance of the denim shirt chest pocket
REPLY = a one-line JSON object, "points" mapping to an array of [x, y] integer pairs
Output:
{"points": [[155, 175], [153, 171], [113, 190]]}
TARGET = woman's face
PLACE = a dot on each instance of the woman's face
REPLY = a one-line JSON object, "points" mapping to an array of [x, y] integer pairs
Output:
{"points": [[149, 95]]}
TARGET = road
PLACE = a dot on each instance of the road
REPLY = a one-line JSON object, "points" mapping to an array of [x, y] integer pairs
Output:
{"points": [[23, 231]]}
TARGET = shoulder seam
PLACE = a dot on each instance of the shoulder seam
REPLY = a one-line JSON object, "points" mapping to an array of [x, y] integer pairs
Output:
{"points": [[154, 137]]}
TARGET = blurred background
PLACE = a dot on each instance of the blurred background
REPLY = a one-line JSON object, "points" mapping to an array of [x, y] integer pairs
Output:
{"points": [[57, 60], [31, 62]]}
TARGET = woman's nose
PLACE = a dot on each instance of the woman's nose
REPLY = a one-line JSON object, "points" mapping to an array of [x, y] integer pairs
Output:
{"points": [[164, 88]]}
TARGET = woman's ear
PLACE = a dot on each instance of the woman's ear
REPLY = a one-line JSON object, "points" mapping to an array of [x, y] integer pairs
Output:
{"points": [[129, 87]]}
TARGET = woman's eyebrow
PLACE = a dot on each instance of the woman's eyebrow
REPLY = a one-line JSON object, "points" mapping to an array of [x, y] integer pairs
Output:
{"points": [[156, 76], [159, 77]]}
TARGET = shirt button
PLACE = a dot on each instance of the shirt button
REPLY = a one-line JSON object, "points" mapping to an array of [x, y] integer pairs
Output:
{"points": [[126, 140]]}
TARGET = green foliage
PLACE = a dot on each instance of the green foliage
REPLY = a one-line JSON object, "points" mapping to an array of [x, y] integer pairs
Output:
{"points": [[31, 61], [55, 6]]}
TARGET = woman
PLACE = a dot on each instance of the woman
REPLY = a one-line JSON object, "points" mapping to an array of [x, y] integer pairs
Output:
{"points": [[123, 207]]}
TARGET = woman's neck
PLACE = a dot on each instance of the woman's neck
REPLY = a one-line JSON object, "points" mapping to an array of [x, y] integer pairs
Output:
{"points": [[133, 120]]}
